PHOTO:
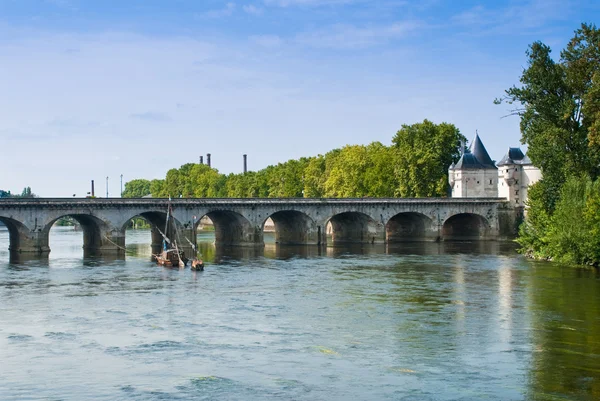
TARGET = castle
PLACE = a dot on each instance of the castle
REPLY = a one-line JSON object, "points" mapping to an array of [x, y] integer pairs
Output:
{"points": [[475, 175]]}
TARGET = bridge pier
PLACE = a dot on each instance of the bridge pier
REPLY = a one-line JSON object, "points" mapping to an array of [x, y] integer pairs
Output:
{"points": [[32, 242], [110, 242]]}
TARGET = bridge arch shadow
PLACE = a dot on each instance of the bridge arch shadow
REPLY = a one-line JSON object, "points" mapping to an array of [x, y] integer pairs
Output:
{"points": [[293, 228], [409, 227], [14, 228], [465, 227], [354, 227], [232, 229]]}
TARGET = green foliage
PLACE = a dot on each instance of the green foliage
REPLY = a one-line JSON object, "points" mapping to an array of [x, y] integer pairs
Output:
{"points": [[424, 152], [66, 221], [560, 122], [572, 233], [26, 193], [560, 108], [136, 188], [350, 172], [532, 233], [138, 223], [567, 232]]}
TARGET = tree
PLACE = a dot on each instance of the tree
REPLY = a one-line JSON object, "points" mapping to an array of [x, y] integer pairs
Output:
{"points": [[559, 107], [137, 188], [559, 110], [26, 193], [157, 188], [424, 151]]}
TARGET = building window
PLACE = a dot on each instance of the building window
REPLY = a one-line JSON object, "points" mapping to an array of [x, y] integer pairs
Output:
{"points": [[516, 182], [490, 182], [517, 192], [478, 182]]}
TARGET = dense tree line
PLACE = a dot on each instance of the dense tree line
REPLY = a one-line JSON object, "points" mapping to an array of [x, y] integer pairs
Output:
{"points": [[559, 106], [26, 193], [414, 165]]}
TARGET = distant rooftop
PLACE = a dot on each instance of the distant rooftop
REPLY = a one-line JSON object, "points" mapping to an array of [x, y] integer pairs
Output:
{"points": [[514, 156], [477, 158]]}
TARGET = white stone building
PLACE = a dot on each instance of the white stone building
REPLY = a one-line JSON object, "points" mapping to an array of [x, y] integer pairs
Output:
{"points": [[475, 175], [515, 174]]}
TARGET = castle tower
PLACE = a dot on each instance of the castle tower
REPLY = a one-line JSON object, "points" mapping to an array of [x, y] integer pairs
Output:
{"points": [[475, 175], [515, 174]]}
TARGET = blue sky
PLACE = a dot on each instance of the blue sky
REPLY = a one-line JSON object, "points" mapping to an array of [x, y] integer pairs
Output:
{"points": [[92, 89]]}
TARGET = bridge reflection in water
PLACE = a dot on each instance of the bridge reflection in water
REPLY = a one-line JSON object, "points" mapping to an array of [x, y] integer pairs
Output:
{"points": [[66, 242]]}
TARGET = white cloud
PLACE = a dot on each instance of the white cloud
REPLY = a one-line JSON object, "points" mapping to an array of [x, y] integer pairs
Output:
{"points": [[349, 36], [251, 9], [227, 11], [518, 17]]}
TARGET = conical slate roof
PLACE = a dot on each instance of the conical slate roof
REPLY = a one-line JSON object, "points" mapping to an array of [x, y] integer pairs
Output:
{"points": [[514, 156], [477, 158]]}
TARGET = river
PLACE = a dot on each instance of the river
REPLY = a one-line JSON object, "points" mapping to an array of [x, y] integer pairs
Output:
{"points": [[470, 321]]}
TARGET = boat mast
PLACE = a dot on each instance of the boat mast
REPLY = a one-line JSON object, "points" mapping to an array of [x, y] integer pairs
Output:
{"points": [[167, 225]]}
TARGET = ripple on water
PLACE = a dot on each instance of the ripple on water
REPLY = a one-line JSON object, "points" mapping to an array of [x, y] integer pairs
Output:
{"points": [[19, 337], [59, 335], [146, 350]]}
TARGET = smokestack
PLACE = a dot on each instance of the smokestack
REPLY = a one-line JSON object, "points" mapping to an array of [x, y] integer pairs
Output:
{"points": [[245, 164], [92, 188], [208, 159], [201, 160]]}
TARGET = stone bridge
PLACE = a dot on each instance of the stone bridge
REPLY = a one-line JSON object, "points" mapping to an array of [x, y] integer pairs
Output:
{"points": [[240, 222]]}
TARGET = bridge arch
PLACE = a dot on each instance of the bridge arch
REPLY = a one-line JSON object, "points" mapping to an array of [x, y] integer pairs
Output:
{"points": [[233, 229], [157, 220], [409, 227], [293, 228], [355, 227], [17, 233], [94, 231], [465, 227]]}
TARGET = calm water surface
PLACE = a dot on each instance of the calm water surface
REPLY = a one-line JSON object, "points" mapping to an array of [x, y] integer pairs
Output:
{"points": [[417, 322]]}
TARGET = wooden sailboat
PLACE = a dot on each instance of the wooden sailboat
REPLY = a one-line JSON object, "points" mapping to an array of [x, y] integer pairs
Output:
{"points": [[197, 264], [171, 255]]}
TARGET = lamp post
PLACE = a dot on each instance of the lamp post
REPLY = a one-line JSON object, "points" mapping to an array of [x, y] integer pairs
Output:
{"points": [[107, 186], [121, 185]]}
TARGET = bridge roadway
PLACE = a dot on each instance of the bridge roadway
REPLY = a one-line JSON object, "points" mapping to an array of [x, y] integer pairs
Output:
{"points": [[240, 222]]}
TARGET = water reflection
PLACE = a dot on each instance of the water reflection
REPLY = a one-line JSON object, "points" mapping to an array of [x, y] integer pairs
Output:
{"points": [[286, 252], [565, 312]]}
